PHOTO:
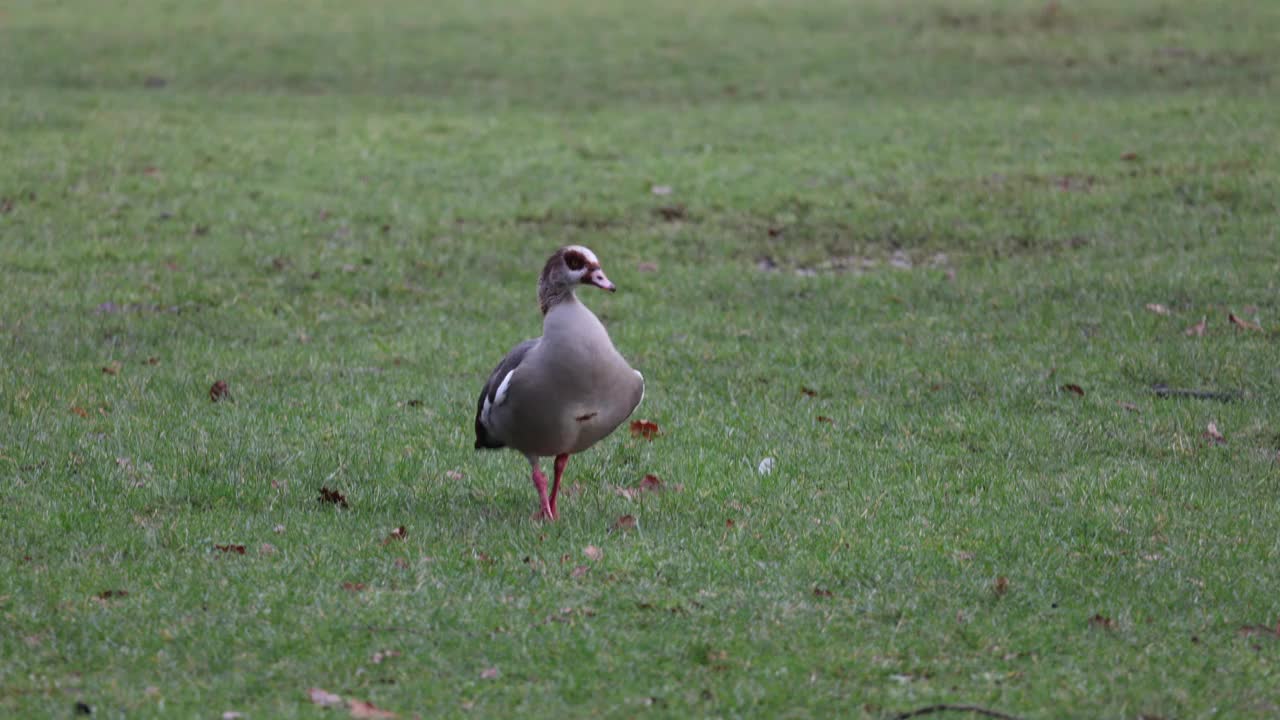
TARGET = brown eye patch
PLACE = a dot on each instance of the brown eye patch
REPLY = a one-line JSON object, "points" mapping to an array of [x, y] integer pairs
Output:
{"points": [[574, 261]]}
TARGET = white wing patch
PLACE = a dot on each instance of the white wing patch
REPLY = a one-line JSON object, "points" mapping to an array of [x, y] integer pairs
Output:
{"points": [[498, 397], [637, 372], [501, 395]]}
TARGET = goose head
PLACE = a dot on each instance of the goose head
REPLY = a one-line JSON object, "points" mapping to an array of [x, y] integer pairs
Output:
{"points": [[565, 270]]}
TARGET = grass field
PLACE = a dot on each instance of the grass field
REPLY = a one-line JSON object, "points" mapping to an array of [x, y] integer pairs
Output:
{"points": [[896, 234]]}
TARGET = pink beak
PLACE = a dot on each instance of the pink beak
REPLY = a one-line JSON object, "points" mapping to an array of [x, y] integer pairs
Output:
{"points": [[596, 277]]}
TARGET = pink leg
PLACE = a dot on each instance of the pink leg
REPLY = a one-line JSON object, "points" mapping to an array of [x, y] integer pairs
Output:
{"points": [[544, 505], [561, 461]]}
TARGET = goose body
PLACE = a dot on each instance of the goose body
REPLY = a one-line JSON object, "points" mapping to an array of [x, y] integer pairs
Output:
{"points": [[561, 393]]}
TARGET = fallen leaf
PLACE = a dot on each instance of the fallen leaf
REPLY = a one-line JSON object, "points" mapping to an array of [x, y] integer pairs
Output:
{"points": [[1212, 434], [489, 673], [1101, 621], [1242, 323], [453, 475], [1248, 630], [825, 419], [646, 429], [109, 594], [592, 552], [651, 483], [323, 698], [234, 549], [153, 360], [1197, 330], [808, 391], [821, 592], [625, 522], [1072, 387], [729, 522], [1157, 308], [219, 391], [79, 411], [367, 711], [333, 496], [112, 369], [579, 570], [1000, 586], [396, 534], [660, 190], [765, 467], [353, 586], [671, 213], [1129, 157], [1128, 406]]}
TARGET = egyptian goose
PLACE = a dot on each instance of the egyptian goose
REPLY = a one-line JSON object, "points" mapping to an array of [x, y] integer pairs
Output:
{"points": [[563, 392]]}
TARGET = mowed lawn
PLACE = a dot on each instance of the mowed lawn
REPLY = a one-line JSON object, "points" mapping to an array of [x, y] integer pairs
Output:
{"points": [[933, 260]]}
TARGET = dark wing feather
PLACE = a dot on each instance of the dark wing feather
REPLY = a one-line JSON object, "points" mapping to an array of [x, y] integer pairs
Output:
{"points": [[485, 439]]}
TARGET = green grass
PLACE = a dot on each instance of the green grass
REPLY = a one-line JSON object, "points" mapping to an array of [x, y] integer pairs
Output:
{"points": [[340, 207]]}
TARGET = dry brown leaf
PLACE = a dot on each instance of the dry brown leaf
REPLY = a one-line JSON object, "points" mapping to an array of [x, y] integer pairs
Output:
{"points": [[323, 698], [825, 419], [1242, 323], [353, 586], [729, 522], [79, 411], [592, 552], [1128, 406], [1129, 157], [646, 429], [1157, 308], [363, 710], [233, 549], [112, 369], [821, 592], [219, 391], [1211, 433], [671, 213], [625, 522], [1000, 586], [1072, 387], [1197, 330], [333, 497], [651, 483], [396, 534], [808, 391], [1248, 630], [1101, 621], [110, 594]]}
